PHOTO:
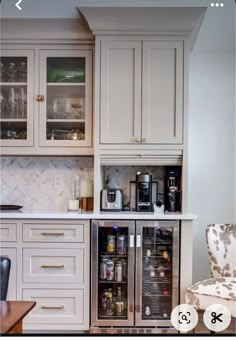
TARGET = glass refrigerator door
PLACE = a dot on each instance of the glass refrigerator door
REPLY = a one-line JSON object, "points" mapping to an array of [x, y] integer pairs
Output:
{"points": [[112, 273], [157, 272]]}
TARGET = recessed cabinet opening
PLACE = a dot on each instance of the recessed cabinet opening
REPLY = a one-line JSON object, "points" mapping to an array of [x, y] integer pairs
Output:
{"points": [[141, 188]]}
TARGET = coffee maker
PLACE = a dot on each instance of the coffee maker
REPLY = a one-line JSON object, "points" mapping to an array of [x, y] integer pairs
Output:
{"points": [[143, 192], [172, 189]]}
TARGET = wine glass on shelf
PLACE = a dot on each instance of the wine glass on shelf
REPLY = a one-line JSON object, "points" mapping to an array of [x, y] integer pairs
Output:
{"points": [[22, 67], [11, 70], [55, 107], [2, 71], [67, 108], [22, 103], [12, 102]]}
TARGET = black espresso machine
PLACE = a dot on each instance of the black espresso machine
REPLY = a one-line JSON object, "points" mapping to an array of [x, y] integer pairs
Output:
{"points": [[172, 189], [144, 194]]}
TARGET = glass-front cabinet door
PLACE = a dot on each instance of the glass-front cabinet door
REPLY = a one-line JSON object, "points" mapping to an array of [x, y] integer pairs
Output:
{"points": [[65, 98], [113, 273], [16, 97], [157, 251]]}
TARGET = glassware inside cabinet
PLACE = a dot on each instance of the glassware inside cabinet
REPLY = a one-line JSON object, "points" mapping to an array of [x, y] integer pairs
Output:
{"points": [[66, 89], [113, 273], [13, 97], [157, 273]]}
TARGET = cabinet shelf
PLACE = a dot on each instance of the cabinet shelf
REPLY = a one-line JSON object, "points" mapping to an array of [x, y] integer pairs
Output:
{"points": [[117, 282], [12, 84], [113, 254], [66, 120], [13, 120], [66, 84]]}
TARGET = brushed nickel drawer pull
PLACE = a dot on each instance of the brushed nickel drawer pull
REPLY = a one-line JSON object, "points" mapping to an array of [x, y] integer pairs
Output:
{"points": [[53, 266], [53, 234], [52, 307]]}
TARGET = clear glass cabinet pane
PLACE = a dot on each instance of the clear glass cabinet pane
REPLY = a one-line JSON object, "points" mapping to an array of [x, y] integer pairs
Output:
{"points": [[13, 97], [157, 273], [66, 98], [113, 273]]}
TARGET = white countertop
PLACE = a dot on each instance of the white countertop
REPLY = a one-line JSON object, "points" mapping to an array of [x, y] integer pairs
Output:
{"points": [[124, 215]]}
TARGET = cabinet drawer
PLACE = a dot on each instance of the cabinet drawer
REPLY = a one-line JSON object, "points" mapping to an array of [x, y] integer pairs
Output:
{"points": [[55, 306], [7, 232], [53, 265], [53, 232]]}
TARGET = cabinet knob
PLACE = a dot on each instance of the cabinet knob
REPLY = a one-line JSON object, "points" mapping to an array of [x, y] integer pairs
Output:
{"points": [[143, 140], [40, 98]]}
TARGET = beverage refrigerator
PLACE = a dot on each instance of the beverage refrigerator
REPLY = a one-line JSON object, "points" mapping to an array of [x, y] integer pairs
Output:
{"points": [[134, 273]]}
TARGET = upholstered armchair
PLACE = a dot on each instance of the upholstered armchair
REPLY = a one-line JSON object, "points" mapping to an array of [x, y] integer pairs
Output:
{"points": [[221, 288]]}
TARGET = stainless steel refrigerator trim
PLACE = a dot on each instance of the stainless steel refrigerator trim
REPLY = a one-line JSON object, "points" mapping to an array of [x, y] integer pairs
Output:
{"points": [[175, 271], [94, 275]]}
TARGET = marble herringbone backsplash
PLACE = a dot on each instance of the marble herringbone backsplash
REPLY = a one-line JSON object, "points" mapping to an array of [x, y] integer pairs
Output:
{"points": [[41, 183]]}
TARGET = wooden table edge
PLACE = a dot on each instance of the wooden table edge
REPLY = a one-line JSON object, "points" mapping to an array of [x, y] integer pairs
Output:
{"points": [[33, 303]]}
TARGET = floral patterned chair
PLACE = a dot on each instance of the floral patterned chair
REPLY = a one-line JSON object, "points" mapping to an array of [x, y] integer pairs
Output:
{"points": [[221, 288]]}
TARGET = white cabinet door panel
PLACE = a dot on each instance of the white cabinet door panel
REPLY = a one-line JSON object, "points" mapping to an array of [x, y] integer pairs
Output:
{"points": [[53, 265], [120, 115], [55, 306], [39, 232], [7, 232], [162, 92]]}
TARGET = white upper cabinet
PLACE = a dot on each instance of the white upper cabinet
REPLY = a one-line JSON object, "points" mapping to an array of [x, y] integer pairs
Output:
{"points": [[162, 92], [16, 97], [46, 100], [66, 111], [120, 92], [141, 92]]}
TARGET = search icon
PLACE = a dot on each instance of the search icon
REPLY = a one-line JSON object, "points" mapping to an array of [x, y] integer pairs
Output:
{"points": [[183, 317]]}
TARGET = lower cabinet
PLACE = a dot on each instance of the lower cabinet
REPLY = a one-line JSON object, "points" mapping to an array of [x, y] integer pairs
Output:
{"points": [[51, 266], [55, 306]]}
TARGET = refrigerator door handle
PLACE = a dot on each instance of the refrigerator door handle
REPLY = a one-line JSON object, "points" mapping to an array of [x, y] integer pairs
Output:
{"points": [[138, 241], [131, 241]]}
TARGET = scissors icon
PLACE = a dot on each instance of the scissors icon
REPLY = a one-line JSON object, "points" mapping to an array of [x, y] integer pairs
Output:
{"points": [[184, 318], [216, 317]]}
